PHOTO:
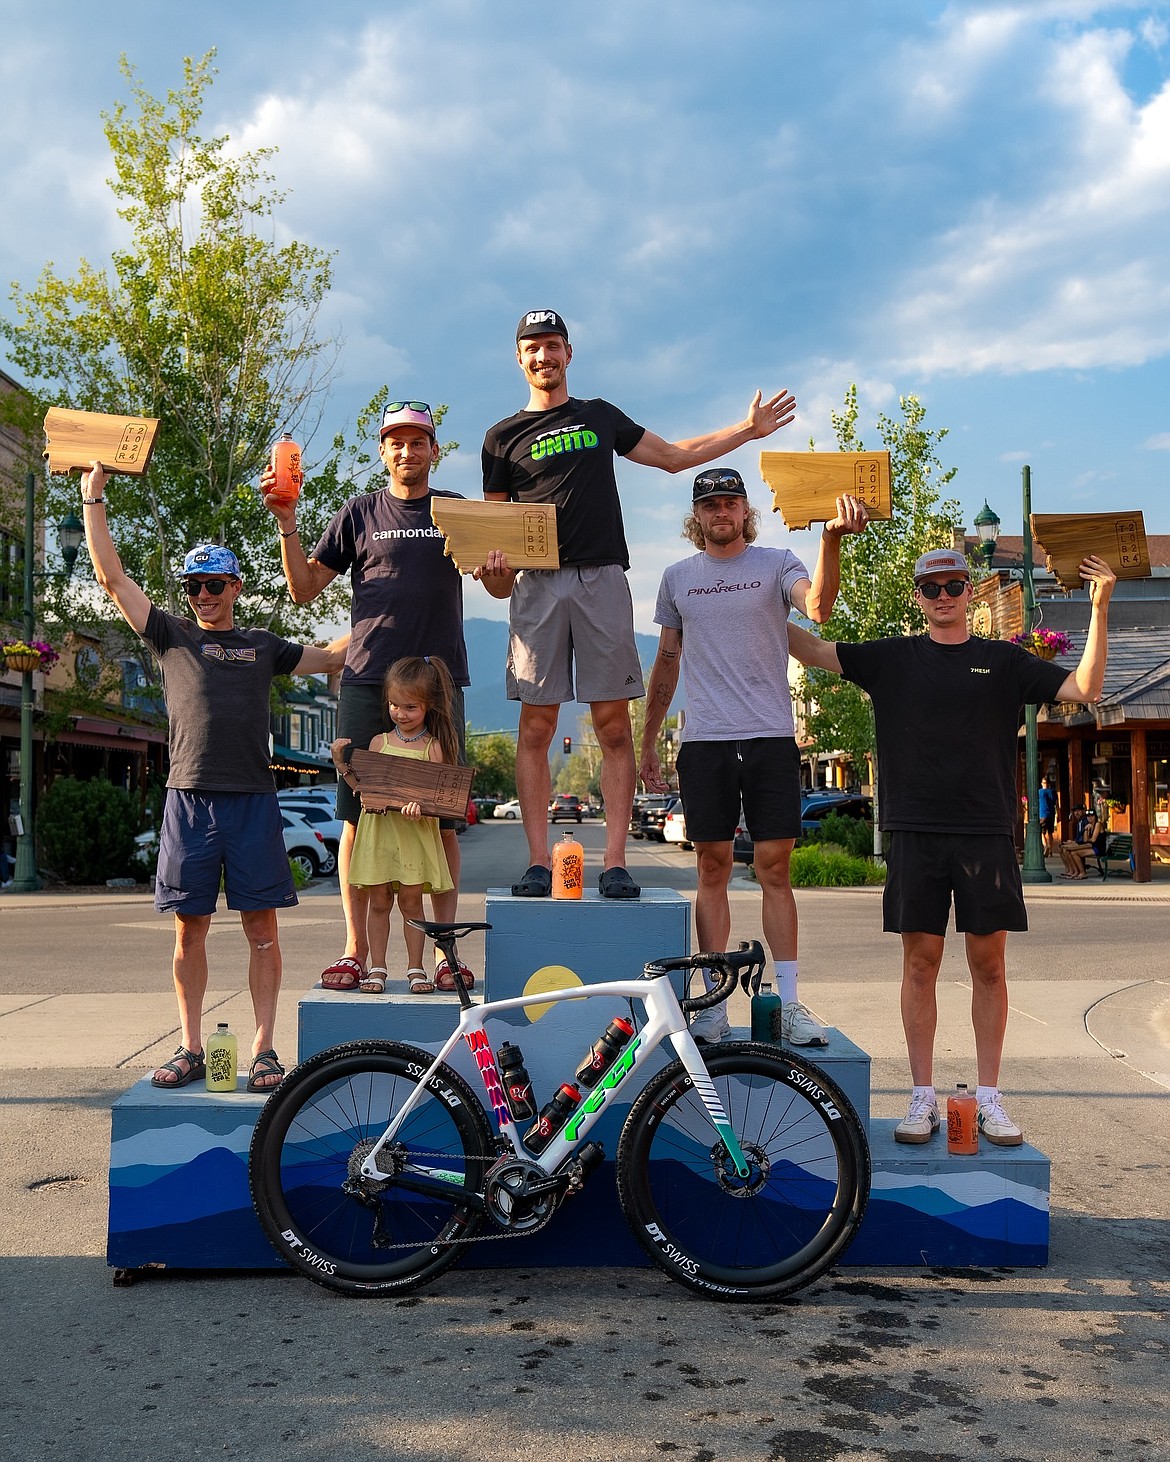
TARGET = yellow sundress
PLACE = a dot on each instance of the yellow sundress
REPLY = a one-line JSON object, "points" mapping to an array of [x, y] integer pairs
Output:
{"points": [[393, 849]]}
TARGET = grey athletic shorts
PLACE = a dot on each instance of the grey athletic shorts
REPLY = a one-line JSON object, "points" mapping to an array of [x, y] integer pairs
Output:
{"points": [[579, 619]]}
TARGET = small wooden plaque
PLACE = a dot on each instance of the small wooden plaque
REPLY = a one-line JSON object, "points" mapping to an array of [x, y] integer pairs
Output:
{"points": [[1118, 538], [806, 485], [389, 781], [527, 532], [74, 439]]}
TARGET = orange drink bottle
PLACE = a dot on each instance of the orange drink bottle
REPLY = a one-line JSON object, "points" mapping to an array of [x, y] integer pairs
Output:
{"points": [[962, 1122], [286, 463], [568, 869]]}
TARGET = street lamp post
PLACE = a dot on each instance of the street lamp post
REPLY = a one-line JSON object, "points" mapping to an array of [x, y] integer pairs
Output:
{"points": [[1033, 870], [70, 534], [987, 529]]}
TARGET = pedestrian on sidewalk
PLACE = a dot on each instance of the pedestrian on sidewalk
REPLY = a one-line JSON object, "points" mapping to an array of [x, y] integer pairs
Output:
{"points": [[724, 617], [221, 819], [947, 710]]}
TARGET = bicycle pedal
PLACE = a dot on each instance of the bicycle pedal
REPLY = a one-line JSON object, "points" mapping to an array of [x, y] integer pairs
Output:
{"points": [[589, 1157]]}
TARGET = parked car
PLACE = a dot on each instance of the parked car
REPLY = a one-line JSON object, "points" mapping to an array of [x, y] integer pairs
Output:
{"points": [[320, 818], [324, 795], [649, 813], [305, 846], [814, 806], [674, 828], [510, 810], [566, 806]]}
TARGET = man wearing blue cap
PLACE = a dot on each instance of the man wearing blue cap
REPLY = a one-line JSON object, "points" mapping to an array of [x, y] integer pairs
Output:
{"points": [[407, 600], [572, 628], [221, 819]]}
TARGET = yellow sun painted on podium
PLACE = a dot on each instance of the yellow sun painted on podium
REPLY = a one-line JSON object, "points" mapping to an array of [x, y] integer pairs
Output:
{"points": [[548, 977]]}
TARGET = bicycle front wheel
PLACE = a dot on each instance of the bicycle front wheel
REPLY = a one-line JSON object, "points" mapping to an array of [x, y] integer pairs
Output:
{"points": [[759, 1237], [314, 1132]]}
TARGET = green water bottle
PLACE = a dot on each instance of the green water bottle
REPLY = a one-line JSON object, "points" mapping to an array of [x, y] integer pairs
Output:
{"points": [[221, 1059], [764, 1006]]}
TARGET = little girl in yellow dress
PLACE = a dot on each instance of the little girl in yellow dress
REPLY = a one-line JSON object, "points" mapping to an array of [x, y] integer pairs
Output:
{"points": [[400, 854]]}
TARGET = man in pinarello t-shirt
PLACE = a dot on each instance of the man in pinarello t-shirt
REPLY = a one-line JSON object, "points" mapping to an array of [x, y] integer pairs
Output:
{"points": [[572, 628], [407, 600]]}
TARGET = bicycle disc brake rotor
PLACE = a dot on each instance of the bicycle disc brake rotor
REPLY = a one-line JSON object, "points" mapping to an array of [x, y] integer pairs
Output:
{"points": [[508, 1199], [759, 1169]]}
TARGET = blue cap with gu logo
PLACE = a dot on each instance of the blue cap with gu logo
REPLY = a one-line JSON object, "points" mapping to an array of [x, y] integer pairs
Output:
{"points": [[211, 558]]}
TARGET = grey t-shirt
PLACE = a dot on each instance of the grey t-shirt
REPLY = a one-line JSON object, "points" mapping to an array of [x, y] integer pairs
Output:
{"points": [[733, 614], [216, 684]]}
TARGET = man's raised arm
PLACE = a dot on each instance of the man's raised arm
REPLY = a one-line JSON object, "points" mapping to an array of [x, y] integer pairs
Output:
{"points": [[763, 418], [132, 603], [306, 577], [1087, 680]]}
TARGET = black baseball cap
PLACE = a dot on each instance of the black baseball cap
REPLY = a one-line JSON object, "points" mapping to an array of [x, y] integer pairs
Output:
{"points": [[540, 322], [718, 482]]}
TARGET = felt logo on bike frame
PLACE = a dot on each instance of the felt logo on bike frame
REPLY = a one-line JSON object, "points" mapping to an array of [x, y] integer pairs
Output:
{"points": [[594, 1103]]}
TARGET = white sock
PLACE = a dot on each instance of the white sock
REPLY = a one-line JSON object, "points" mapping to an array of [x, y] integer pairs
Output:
{"points": [[786, 975], [985, 1095], [925, 1092], [709, 980]]}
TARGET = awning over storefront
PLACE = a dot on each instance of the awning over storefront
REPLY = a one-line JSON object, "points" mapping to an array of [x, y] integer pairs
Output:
{"points": [[285, 759]]}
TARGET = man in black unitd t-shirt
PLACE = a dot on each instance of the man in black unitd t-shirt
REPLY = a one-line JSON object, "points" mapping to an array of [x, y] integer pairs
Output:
{"points": [[221, 819], [407, 600], [947, 711], [572, 628]]}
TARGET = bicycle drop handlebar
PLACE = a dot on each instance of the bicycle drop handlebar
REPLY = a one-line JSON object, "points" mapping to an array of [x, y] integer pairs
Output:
{"points": [[743, 966]]}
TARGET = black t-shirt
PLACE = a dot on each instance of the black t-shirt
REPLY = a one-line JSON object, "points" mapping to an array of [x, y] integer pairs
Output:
{"points": [[948, 719], [565, 456], [216, 684], [407, 594]]}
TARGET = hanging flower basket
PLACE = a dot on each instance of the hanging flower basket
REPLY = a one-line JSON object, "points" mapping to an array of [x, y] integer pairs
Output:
{"points": [[1045, 644], [23, 656]]}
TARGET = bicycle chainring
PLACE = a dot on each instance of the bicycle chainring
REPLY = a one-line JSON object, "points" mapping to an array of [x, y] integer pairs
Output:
{"points": [[509, 1195]]}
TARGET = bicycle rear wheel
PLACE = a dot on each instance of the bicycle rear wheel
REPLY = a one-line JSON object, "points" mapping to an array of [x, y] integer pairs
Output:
{"points": [[764, 1236], [311, 1138]]}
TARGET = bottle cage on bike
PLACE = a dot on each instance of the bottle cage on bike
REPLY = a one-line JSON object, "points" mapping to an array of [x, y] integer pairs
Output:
{"points": [[745, 966]]}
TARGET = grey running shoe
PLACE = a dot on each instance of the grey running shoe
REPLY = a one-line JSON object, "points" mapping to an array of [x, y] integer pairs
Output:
{"points": [[920, 1123], [799, 1027], [709, 1027], [997, 1126]]}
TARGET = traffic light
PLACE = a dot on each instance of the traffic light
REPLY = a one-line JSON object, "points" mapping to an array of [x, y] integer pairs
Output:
{"points": [[567, 745]]}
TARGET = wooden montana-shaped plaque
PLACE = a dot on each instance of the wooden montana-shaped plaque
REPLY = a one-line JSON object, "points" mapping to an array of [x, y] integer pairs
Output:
{"points": [[1118, 538], [806, 485], [388, 781], [74, 439], [527, 532]]}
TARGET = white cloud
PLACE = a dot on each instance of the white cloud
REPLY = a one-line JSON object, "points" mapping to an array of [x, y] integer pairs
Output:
{"points": [[1160, 442]]}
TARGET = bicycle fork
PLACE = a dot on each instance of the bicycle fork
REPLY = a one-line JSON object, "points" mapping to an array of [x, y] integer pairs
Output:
{"points": [[688, 1054]]}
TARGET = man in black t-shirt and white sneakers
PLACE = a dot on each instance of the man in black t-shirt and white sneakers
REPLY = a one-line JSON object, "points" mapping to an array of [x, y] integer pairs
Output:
{"points": [[407, 600], [221, 817], [947, 713], [579, 617]]}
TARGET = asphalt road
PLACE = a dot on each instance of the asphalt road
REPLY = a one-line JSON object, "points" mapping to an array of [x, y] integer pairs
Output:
{"points": [[1069, 1361]]}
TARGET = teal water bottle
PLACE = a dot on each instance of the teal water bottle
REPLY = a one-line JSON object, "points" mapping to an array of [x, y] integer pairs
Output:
{"points": [[764, 1006]]}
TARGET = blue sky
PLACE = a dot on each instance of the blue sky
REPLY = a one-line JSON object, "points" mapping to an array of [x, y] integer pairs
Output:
{"points": [[967, 202]]}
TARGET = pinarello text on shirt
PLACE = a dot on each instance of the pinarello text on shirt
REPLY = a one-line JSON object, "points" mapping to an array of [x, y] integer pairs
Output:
{"points": [[408, 533], [719, 587], [572, 439]]}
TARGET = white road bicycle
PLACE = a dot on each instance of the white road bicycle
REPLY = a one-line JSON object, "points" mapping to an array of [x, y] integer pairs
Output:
{"points": [[742, 1169]]}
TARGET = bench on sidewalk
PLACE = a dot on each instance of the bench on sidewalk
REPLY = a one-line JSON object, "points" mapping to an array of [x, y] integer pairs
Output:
{"points": [[1118, 849]]}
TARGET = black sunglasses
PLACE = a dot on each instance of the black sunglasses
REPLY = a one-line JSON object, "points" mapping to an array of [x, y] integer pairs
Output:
{"points": [[954, 588], [393, 407], [215, 587]]}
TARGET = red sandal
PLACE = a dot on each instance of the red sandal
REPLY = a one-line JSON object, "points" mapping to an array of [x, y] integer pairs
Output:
{"points": [[346, 973], [445, 980]]}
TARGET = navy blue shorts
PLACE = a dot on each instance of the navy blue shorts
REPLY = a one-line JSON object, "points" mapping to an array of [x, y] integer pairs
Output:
{"points": [[236, 835], [714, 777], [925, 870]]}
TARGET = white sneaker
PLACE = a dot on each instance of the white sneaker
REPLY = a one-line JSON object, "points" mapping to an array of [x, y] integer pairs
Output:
{"points": [[709, 1027], [997, 1126], [920, 1123], [799, 1027]]}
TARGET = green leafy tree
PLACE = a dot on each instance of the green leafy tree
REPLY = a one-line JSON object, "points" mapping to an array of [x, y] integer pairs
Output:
{"points": [[877, 567], [203, 320], [494, 757]]}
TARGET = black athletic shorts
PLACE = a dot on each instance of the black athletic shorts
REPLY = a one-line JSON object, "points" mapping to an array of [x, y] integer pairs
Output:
{"points": [[715, 777], [361, 715], [924, 871]]}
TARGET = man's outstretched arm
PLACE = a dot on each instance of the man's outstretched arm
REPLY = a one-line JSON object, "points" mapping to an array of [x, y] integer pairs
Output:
{"points": [[809, 650], [763, 418], [132, 603], [1087, 680]]}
